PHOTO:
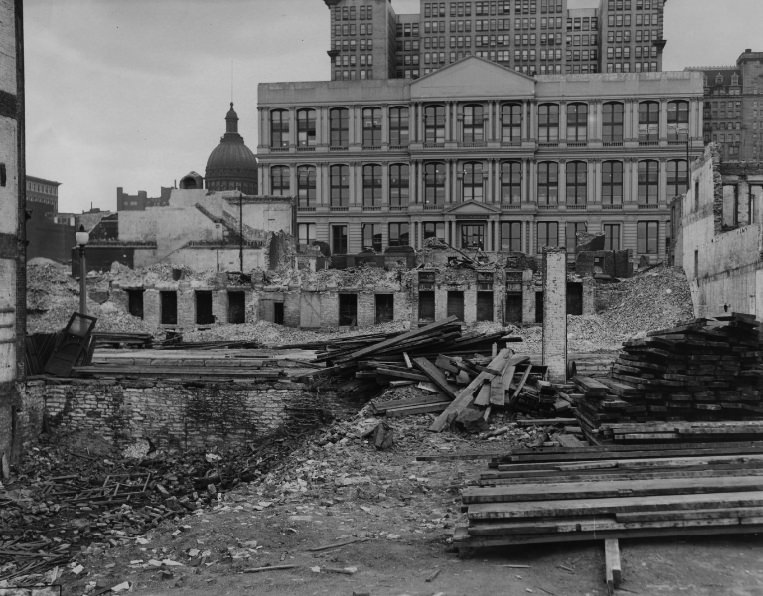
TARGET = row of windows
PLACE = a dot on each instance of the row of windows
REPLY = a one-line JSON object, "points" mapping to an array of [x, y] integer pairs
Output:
{"points": [[354, 60], [473, 177], [627, 5], [625, 52], [351, 45], [353, 29], [349, 13], [626, 67], [474, 124], [641, 20], [352, 75], [473, 235]]}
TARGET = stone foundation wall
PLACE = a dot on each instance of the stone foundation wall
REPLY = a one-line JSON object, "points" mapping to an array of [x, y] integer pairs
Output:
{"points": [[177, 415]]}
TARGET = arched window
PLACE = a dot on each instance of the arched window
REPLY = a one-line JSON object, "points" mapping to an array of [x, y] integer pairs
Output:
{"points": [[548, 183], [306, 186], [548, 123], [340, 186], [613, 122], [473, 188], [577, 183], [434, 124], [648, 181], [372, 185], [398, 185], [511, 182], [474, 124], [279, 128], [612, 183], [339, 124], [648, 121], [511, 123], [577, 122], [279, 181], [434, 183], [676, 174], [306, 127]]}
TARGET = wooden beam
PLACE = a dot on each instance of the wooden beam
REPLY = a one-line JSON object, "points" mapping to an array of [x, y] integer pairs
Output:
{"points": [[435, 374], [614, 570]]}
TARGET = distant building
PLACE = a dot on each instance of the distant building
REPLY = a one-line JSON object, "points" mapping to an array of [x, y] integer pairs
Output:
{"points": [[50, 234], [482, 157], [140, 201], [751, 65], [370, 41]]}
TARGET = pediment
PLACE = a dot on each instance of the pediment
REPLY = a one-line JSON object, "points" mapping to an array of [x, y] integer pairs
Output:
{"points": [[473, 77], [472, 208]]}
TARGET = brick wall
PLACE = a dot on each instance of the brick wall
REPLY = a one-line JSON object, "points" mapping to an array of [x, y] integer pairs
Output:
{"points": [[177, 415], [555, 312]]}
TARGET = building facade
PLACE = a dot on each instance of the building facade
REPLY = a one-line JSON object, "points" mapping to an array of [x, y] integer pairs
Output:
{"points": [[722, 119], [370, 41], [48, 234], [482, 157]]}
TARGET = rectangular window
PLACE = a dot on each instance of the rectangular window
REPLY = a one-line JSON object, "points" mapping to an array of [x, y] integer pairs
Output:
{"points": [[340, 127], [236, 308], [279, 181], [371, 236], [547, 235], [577, 122], [648, 182], [473, 236], [676, 174], [548, 183], [434, 124], [613, 123], [371, 127], [678, 121], [511, 182], [570, 234], [648, 121], [398, 185], [204, 314], [434, 229], [577, 183], [474, 124], [611, 236], [398, 234], [305, 234], [647, 237], [279, 128], [372, 185], [434, 183], [511, 236], [612, 183], [339, 239], [306, 186], [548, 123], [398, 126], [511, 123], [306, 128], [340, 186]]}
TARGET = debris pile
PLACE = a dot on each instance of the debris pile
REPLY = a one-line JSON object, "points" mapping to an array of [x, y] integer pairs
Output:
{"points": [[706, 370], [65, 499]]}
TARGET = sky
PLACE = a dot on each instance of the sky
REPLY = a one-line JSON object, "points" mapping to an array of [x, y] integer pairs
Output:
{"points": [[134, 93]]}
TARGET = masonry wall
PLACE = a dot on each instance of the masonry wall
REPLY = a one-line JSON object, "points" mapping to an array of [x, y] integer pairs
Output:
{"points": [[201, 258], [555, 313], [12, 233], [179, 416]]}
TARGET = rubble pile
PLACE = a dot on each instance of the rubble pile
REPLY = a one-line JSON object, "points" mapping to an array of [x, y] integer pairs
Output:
{"points": [[64, 499]]}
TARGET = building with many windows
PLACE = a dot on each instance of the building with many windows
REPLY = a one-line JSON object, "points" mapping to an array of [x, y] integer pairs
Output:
{"points": [[482, 157], [370, 41]]}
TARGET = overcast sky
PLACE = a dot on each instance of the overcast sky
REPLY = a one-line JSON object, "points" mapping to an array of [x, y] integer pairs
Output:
{"points": [[134, 93]]}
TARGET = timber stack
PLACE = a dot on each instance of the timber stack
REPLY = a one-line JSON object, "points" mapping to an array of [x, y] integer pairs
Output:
{"points": [[699, 381]]}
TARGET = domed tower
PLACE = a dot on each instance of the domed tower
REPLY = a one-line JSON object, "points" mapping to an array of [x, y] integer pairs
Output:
{"points": [[232, 165]]}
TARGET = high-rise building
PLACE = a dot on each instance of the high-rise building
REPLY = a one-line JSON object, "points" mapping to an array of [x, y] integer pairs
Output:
{"points": [[722, 117], [370, 41], [751, 66], [482, 156]]}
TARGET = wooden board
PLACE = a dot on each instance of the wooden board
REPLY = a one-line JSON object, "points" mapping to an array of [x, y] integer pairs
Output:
{"points": [[611, 489], [594, 507], [613, 570], [483, 395], [465, 397], [436, 376]]}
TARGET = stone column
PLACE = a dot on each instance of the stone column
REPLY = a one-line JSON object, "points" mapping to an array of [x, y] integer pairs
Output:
{"points": [[555, 313]]}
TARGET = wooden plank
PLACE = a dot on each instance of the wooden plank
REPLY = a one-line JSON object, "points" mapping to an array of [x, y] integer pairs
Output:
{"points": [[497, 393], [613, 568], [381, 407], [611, 489], [736, 513], [436, 376], [465, 397], [408, 362], [401, 374], [483, 395], [422, 409], [398, 339], [515, 395], [590, 386], [595, 507]]}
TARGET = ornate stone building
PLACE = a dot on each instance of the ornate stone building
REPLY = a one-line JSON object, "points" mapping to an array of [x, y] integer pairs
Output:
{"points": [[232, 165]]}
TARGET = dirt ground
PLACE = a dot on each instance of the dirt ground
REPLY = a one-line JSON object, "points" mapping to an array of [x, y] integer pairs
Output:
{"points": [[400, 513]]}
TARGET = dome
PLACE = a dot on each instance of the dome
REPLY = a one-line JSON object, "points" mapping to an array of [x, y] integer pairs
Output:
{"points": [[232, 165]]}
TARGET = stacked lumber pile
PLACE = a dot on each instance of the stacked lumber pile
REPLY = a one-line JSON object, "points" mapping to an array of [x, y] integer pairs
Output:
{"points": [[593, 493], [662, 386]]}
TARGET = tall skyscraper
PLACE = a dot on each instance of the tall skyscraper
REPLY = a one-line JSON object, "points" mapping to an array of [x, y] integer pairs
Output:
{"points": [[370, 41]]}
